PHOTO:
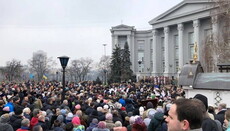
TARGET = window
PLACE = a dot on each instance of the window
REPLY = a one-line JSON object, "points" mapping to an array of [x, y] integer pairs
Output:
{"points": [[177, 66], [121, 41], [176, 47], [141, 45], [141, 58]]}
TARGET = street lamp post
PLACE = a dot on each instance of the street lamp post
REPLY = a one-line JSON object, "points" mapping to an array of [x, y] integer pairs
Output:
{"points": [[139, 62], [105, 71], [64, 61]]}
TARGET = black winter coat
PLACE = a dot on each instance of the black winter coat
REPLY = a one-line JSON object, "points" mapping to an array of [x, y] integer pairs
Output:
{"points": [[15, 121]]}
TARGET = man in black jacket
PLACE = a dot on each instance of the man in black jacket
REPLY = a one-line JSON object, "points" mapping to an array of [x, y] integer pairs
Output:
{"points": [[220, 115], [16, 119], [208, 124]]}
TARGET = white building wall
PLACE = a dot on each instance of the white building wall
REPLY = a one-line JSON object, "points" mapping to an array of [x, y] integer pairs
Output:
{"points": [[212, 95]]}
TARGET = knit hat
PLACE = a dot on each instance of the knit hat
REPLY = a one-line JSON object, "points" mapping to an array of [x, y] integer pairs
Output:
{"points": [[203, 99], [60, 118], [118, 124], [95, 120], [63, 111], [151, 113], [78, 107], [76, 121], [101, 125], [123, 108], [69, 116]]}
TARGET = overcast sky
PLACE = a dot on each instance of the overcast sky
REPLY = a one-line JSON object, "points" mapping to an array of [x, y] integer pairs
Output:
{"points": [[75, 28]]}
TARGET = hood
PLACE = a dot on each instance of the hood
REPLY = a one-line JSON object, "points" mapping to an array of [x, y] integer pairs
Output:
{"points": [[159, 116]]}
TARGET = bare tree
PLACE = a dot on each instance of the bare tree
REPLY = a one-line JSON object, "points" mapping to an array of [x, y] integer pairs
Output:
{"points": [[13, 70], [104, 66], [79, 68], [216, 48], [40, 64]]}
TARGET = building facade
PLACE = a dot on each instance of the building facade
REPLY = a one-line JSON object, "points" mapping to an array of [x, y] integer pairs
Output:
{"points": [[164, 49]]}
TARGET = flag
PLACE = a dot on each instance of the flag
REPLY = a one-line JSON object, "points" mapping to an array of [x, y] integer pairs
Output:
{"points": [[31, 76], [44, 77]]}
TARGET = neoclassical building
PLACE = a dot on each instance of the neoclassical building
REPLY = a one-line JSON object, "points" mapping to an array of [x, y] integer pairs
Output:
{"points": [[164, 49]]}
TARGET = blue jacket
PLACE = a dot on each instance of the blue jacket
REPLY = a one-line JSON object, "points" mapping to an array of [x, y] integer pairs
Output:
{"points": [[10, 105]]}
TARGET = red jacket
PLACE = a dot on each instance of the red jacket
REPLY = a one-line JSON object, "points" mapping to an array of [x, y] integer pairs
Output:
{"points": [[21, 129], [33, 122]]}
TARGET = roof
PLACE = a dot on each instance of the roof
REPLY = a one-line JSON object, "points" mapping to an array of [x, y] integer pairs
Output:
{"points": [[122, 27], [214, 81], [188, 74], [183, 9]]}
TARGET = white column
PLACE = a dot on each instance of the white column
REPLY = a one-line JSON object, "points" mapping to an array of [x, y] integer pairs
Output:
{"points": [[166, 42], [115, 41], [196, 26], [215, 28], [180, 28], [131, 50], [154, 57]]}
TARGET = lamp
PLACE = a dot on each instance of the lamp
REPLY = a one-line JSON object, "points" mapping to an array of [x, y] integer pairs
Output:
{"points": [[139, 62], [64, 61]]}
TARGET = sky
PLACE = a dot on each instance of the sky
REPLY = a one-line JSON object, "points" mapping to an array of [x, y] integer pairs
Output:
{"points": [[74, 28]]}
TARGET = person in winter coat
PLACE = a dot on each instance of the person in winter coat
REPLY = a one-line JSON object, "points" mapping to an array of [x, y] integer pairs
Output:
{"points": [[227, 120], [220, 115], [92, 125], [16, 119], [42, 123], [207, 124], [10, 104], [6, 127], [139, 125], [156, 122], [109, 121], [119, 127], [26, 113], [57, 126], [77, 124], [34, 120], [101, 127], [25, 125]]}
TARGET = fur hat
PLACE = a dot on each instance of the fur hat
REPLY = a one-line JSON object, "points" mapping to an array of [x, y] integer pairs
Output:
{"points": [[202, 98], [108, 116]]}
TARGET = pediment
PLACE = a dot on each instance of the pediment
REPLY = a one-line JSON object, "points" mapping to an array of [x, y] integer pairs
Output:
{"points": [[186, 7], [123, 27]]}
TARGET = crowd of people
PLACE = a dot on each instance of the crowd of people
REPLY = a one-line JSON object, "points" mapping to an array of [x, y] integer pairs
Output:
{"points": [[117, 107]]}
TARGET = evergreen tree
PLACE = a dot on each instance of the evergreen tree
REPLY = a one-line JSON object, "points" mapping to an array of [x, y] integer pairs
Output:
{"points": [[115, 65], [126, 72], [98, 81]]}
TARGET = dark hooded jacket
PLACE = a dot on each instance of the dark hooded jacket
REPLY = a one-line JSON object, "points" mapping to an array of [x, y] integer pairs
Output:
{"points": [[15, 121], [156, 122]]}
